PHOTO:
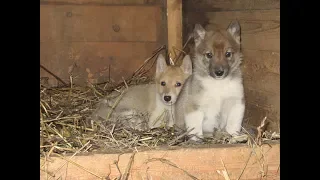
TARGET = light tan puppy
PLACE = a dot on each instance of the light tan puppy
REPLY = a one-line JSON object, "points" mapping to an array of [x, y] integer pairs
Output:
{"points": [[152, 101]]}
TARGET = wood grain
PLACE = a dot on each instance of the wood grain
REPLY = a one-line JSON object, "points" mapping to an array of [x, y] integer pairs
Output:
{"points": [[174, 21], [99, 23], [94, 37], [202, 163], [228, 5], [92, 60], [103, 2], [260, 30], [260, 104], [257, 61], [261, 78]]}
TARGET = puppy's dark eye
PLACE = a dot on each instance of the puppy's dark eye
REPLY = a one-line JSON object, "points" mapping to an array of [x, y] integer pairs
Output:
{"points": [[163, 83], [228, 54], [178, 84], [209, 55]]}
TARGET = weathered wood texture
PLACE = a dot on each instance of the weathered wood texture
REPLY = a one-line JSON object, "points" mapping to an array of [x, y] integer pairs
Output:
{"points": [[174, 21], [94, 37], [93, 60], [105, 2], [230, 5], [260, 28], [202, 163]]}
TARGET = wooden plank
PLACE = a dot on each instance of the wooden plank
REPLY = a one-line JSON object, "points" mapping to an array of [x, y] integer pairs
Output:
{"points": [[92, 60], [99, 23], [261, 77], [254, 114], [228, 5], [202, 163], [257, 61], [264, 81], [261, 70], [262, 94], [269, 101], [50, 22], [260, 30], [260, 104], [103, 2], [174, 21]]}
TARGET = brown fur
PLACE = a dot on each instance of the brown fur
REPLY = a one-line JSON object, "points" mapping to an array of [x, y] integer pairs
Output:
{"points": [[209, 100], [219, 42]]}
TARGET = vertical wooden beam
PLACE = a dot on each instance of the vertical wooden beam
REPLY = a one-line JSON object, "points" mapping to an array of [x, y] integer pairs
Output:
{"points": [[174, 22]]}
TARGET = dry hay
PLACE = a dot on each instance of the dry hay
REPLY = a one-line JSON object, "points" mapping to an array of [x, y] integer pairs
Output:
{"points": [[64, 128]]}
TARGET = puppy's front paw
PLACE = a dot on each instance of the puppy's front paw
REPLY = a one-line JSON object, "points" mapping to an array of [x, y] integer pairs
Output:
{"points": [[195, 140]]}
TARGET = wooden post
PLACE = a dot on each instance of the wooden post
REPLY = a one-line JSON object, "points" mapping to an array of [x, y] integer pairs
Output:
{"points": [[174, 21]]}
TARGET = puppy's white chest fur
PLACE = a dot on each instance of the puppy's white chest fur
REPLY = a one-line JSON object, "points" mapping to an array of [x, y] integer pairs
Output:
{"points": [[214, 91], [161, 113], [215, 99]]}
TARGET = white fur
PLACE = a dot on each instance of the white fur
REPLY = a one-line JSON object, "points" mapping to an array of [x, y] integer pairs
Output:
{"points": [[194, 120], [157, 112], [221, 97], [219, 103]]}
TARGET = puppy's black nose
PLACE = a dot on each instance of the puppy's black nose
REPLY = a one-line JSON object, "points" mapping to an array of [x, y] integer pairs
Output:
{"points": [[167, 98], [219, 72]]}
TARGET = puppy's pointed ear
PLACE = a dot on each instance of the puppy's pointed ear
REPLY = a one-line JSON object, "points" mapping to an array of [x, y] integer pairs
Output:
{"points": [[198, 34], [161, 64], [186, 65], [234, 30]]}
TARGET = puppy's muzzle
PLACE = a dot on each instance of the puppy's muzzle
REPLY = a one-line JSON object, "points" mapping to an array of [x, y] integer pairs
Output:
{"points": [[219, 72], [167, 98]]}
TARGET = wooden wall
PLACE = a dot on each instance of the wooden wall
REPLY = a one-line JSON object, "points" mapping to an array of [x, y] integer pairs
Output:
{"points": [[260, 23], [85, 37]]}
